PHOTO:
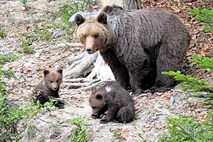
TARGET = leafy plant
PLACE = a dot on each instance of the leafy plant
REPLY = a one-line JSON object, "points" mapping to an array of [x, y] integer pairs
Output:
{"points": [[78, 134], [10, 114], [68, 8], [55, 131], [190, 83], [117, 136], [202, 62], [187, 129], [25, 47], [25, 4], [2, 33], [205, 16], [193, 86], [43, 33], [31, 131]]}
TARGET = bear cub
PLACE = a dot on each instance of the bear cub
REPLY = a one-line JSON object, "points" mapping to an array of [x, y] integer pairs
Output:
{"points": [[48, 88], [110, 96]]}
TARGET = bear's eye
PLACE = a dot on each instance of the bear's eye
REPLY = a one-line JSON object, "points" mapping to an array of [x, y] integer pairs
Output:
{"points": [[96, 35], [83, 36], [57, 81], [94, 107], [50, 81]]}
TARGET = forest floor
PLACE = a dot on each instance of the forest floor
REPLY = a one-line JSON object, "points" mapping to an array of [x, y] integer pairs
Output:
{"points": [[40, 27]]}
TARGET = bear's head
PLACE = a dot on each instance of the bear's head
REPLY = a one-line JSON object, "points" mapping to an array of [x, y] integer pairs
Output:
{"points": [[97, 102], [93, 32], [53, 79]]}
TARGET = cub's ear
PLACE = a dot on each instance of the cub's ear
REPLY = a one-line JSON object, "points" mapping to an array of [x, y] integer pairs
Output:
{"points": [[102, 18], [93, 89], [79, 19], [46, 72], [99, 97], [60, 71]]}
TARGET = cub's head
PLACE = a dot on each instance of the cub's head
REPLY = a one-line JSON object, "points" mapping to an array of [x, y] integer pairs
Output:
{"points": [[93, 32], [97, 102], [53, 79]]}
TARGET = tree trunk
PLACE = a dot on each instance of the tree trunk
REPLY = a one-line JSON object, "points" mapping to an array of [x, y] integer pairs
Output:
{"points": [[126, 4]]}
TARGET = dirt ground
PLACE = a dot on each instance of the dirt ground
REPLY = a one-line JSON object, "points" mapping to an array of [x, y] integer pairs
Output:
{"points": [[151, 109]]}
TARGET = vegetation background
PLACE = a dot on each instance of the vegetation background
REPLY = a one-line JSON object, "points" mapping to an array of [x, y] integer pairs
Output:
{"points": [[29, 33]]}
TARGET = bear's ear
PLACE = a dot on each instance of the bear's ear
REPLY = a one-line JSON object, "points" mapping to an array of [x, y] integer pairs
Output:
{"points": [[93, 89], [60, 71], [46, 72], [79, 19], [99, 96], [102, 18]]}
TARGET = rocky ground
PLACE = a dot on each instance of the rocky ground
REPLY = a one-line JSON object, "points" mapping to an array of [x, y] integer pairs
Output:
{"points": [[19, 22]]}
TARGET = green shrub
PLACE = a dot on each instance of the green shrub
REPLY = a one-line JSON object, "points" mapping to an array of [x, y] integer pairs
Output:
{"points": [[205, 16], [184, 129], [193, 86], [68, 8], [78, 134]]}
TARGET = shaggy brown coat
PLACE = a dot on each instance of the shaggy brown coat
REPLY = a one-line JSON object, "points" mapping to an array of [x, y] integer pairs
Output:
{"points": [[138, 45], [110, 96], [48, 88]]}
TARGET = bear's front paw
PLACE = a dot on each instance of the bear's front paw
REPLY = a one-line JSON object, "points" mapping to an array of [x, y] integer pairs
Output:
{"points": [[59, 104], [104, 121], [137, 90], [159, 89]]}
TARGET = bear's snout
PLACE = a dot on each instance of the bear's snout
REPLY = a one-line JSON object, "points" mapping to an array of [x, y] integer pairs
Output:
{"points": [[55, 88], [94, 116], [89, 50]]}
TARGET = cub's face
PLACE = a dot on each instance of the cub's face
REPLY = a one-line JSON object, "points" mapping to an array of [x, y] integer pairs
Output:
{"points": [[98, 104], [92, 32], [53, 79]]}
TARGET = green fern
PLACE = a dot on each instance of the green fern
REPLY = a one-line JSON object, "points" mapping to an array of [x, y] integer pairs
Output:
{"points": [[186, 129], [205, 16]]}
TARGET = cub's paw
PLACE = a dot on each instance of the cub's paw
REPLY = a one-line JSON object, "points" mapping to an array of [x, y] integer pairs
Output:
{"points": [[104, 121], [95, 116], [59, 104]]}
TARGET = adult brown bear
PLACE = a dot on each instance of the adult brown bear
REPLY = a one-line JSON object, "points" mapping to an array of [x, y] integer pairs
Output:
{"points": [[138, 45]]}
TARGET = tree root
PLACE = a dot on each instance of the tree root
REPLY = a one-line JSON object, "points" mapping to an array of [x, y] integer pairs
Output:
{"points": [[82, 65]]}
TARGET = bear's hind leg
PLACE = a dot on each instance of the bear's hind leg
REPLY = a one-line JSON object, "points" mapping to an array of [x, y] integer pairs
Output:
{"points": [[170, 58], [125, 114]]}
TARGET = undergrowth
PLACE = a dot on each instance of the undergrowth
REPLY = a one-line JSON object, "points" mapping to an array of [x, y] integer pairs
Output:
{"points": [[56, 25], [11, 114], [78, 134], [68, 8], [205, 16], [186, 128], [2, 33], [197, 87]]}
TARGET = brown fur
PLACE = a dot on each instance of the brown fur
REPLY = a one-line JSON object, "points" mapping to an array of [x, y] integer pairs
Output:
{"points": [[48, 88], [138, 45], [110, 96]]}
